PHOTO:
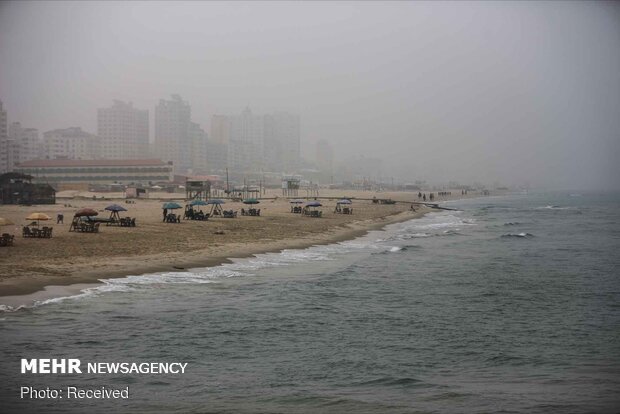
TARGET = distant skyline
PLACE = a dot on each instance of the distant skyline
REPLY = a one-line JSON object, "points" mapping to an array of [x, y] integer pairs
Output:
{"points": [[516, 92]]}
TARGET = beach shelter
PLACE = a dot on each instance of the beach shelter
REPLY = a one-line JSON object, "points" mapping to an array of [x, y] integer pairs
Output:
{"points": [[295, 207], [37, 217], [216, 208], [114, 210], [340, 203], [251, 201], [313, 205]]}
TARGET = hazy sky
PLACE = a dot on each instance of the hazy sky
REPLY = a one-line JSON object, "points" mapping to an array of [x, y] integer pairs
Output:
{"points": [[524, 92]]}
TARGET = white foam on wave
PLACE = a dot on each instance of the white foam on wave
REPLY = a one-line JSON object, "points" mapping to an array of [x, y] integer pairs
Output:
{"points": [[8, 308], [433, 224], [552, 207], [518, 235]]}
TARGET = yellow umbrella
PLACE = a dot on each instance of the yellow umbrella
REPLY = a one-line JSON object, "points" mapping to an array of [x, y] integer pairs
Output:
{"points": [[5, 222], [38, 216]]}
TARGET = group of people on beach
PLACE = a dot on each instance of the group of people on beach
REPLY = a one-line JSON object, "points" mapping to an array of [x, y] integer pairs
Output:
{"points": [[431, 196]]}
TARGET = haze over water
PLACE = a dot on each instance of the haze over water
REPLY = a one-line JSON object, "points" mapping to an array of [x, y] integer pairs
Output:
{"points": [[508, 305]]}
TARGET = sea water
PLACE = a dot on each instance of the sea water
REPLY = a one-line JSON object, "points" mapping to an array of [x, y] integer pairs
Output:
{"points": [[508, 304]]}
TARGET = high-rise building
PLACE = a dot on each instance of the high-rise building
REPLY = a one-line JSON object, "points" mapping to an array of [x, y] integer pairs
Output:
{"points": [[217, 144], [4, 140], [25, 143], [198, 149], [173, 141], [245, 148], [325, 159], [124, 131], [220, 129], [71, 143], [281, 142]]}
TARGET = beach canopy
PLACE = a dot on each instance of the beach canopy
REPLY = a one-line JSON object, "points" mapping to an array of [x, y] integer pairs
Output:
{"points": [[86, 212], [314, 204], [343, 201], [215, 201], [251, 201], [38, 216], [171, 206], [297, 201], [156, 187], [198, 203], [115, 207], [6, 222]]}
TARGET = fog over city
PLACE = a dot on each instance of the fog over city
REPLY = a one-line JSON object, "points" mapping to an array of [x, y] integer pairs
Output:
{"points": [[519, 93]]}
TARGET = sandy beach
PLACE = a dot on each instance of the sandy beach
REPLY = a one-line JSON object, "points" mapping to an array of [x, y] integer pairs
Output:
{"points": [[71, 258]]}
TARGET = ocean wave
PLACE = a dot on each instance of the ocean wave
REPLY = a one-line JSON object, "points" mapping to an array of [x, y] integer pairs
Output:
{"points": [[8, 308], [431, 225], [415, 236], [521, 235], [390, 381], [396, 249], [553, 207]]}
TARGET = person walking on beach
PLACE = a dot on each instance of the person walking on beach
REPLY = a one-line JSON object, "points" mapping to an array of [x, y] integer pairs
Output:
{"points": [[59, 218], [165, 214], [424, 197]]}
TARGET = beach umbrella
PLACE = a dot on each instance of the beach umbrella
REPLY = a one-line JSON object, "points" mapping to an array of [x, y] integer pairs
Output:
{"points": [[5, 222], [38, 216], [115, 208], [297, 201], [215, 201], [343, 201], [251, 201], [86, 212], [171, 206], [156, 187], [198, 203], [314, 204]]}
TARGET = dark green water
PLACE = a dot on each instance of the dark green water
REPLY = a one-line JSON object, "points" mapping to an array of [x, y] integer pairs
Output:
{"points": [[510, 305]]}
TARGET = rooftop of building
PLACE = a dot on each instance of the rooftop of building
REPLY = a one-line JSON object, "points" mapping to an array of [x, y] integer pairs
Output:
{"points": [[70, 132]]}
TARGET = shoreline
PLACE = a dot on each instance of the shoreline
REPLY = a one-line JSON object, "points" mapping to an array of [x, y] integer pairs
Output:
{"points": [[29, 290]]}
